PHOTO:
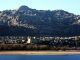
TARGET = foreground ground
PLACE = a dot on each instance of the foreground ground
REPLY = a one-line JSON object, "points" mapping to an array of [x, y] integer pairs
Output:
{"points": [[39, 52]]}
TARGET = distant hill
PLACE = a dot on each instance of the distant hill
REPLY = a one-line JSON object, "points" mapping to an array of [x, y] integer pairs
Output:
{"points": [[31, 22]]}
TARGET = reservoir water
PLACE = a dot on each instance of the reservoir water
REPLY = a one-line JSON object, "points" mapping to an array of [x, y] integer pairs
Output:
{"points": [[39, 57]]}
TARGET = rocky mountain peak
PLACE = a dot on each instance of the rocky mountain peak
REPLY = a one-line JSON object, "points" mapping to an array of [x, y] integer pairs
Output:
{"points": [[39, 22], [23, 8]]}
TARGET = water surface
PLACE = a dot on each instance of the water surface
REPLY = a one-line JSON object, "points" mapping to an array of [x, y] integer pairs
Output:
{"points": [[39, 57]]}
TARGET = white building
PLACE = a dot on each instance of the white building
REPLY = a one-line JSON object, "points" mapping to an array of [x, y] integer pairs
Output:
{"points": [[28, 40]]}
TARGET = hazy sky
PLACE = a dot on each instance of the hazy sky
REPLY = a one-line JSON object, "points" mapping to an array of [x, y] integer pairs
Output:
{"points": [[72, 6]]}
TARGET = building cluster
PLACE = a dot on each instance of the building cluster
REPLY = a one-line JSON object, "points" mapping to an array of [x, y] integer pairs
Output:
{"points": [[32, 40]]}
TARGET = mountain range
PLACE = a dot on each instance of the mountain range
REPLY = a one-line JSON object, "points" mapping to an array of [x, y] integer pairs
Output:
{"points": [[31, 22]]}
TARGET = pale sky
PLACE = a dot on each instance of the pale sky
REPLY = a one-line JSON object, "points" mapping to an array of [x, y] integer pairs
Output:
{"points": [[72, 6]]}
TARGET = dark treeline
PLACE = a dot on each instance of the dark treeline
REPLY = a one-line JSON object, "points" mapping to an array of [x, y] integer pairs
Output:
{"points": [[22, 31]]}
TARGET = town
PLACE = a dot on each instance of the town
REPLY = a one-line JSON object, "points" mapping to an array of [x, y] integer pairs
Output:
{"points": [[39, 43]]}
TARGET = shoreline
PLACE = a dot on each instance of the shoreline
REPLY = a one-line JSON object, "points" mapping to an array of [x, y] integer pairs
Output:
{"points": [[39, 52]]}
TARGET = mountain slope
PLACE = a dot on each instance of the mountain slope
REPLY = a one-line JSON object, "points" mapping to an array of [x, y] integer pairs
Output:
{"points": [[26, 21]]}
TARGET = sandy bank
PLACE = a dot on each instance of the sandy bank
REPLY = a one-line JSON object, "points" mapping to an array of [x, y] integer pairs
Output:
{"points": [[38, 52]]}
